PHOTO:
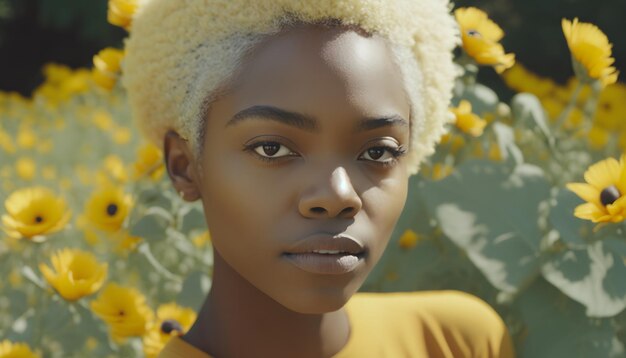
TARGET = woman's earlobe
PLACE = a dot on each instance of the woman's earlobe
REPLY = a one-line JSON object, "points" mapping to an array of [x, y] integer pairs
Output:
{"points": [[179, 165]]}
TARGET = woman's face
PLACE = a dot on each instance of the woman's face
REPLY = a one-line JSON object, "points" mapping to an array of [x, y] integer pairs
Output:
{"points": [[303, 144]]}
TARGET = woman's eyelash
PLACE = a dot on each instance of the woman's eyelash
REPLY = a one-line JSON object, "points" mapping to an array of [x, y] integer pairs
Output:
{"points": [[252, 146], [396, 152]]}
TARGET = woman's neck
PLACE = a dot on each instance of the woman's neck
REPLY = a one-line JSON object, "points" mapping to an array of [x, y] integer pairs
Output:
{"points": [[238, 320]]}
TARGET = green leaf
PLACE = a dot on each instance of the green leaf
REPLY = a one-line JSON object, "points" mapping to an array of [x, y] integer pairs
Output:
{"points": [[571, 229], [194, 291], [155, 197], [556, 327], [483, 99], [492, 213], [150, 227], [506, 143], [528, 110], [193, 219], [435, 263], [593, 276]]}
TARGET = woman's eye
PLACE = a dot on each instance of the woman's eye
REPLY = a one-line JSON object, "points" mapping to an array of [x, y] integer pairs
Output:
{"points": [[272, 150], [381, 154]]}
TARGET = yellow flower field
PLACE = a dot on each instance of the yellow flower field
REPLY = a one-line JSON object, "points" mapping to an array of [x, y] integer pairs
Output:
{"points": [[523, 203]]}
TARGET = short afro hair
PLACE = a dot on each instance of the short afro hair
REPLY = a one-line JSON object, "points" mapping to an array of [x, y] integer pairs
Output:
{"points": [[180, 52]]}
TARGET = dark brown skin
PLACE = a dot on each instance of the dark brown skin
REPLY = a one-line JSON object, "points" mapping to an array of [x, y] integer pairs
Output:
{"points": [[326, 180]]}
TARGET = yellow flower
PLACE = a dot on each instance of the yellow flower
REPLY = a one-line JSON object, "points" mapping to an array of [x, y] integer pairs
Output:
{"points": [[521, 79], [172, 320], [574, 119], [108, 207], [201, 239], [106, 67], [436, 171], [611, 107], [124, 309], [553, 107], [62, 83], [124, 242], [33, 212], [102, 120], [590, 49], [114, 167], [604, 191], [15, 350], [455, 142], [76, 273], [441, 171], [409, 239], [25, 168], [467, 121], [91, 344], [494, 153], [621, 141], [26, 138], [120, 12], [149, 162], [481, 38], [121, 135], [6, 142], [598, 137]]}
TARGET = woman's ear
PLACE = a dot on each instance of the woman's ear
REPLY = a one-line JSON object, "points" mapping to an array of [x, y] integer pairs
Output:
{"points": [[179, 163]]}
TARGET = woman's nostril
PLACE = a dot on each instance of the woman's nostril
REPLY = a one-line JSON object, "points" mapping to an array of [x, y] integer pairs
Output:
{"points": [[318, 210], [347, 210]]}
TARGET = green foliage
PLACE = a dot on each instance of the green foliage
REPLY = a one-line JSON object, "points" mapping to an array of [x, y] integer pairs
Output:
{"points": [[472, 207]]}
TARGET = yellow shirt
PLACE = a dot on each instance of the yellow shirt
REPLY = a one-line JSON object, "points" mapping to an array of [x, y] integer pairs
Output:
{"points": [[429, 324]]}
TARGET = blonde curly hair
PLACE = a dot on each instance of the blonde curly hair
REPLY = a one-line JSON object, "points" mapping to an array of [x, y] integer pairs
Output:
{"points": [[181, 52]]}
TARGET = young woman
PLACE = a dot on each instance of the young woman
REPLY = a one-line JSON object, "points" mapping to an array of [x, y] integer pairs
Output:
{"points": [[297, 124]]}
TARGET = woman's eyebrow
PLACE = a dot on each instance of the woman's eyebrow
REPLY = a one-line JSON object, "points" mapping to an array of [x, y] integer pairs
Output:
{"points": [[305, 122], [294, 119]]}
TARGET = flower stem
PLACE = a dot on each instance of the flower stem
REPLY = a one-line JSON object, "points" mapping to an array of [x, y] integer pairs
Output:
{"points": [[470, 68], [570, 106], [145, 250], [591, 106], [30, 275]]}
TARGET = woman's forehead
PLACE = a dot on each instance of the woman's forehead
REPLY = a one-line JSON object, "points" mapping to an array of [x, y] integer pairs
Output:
{"points": [[315, 65]]}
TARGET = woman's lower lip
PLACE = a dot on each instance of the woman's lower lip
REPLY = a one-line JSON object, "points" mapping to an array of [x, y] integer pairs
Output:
{"points": [[330, 264]]}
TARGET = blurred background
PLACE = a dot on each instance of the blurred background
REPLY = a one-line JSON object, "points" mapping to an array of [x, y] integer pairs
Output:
{"points": [[70, 32]]}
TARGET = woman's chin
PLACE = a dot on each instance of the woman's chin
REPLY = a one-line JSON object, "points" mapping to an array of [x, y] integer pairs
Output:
{"points": [[316, 303]]}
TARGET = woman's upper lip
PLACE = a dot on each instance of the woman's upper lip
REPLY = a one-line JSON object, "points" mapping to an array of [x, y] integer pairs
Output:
{"points": [[326, 241]]}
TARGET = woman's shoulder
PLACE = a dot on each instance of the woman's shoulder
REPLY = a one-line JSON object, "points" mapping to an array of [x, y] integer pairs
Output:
{"points": [[444, 304], [176, 347], [447, 319]]}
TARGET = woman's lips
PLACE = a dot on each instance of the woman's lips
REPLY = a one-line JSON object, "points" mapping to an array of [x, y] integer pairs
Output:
{"points": [[325, 241], [330, 264], [346, 253]]}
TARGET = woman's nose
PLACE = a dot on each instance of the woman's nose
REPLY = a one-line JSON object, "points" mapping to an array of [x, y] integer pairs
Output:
{"points": [[332, 196]]}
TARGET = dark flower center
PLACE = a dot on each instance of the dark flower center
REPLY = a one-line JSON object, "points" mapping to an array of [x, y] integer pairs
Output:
{"points": [[609, 195], [38, 219], [170, 325], [473, 33], [112, 209]]}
